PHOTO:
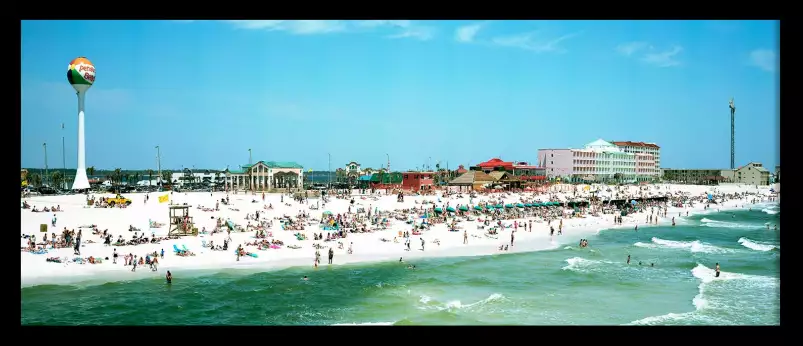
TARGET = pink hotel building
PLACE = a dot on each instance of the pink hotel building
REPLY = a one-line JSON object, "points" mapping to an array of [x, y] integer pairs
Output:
{"points": [[599, 161]]}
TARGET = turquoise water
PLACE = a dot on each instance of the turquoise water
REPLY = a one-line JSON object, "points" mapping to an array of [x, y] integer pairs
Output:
{"points": [[569, 285]]}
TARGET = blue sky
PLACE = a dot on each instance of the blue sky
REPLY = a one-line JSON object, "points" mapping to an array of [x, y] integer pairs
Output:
{"points": [[454, 91]]}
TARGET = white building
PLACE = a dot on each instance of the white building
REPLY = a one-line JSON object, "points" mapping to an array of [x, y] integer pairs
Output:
{"points": [[641, 148], [265, 175], [598, 161]]}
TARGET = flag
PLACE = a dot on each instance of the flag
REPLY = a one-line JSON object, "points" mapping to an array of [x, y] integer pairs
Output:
{"points": [[163, 199], [309, 170]]}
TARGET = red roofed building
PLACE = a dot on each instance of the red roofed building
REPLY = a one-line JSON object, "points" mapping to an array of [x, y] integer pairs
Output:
{"points": [[520, 170], [641, 148], [461, 169]]}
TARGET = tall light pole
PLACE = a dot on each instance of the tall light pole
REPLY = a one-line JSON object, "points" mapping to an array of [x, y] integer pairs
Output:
{"points": [[733, 135], [388, 172], [429, 163], [330, 170], [158, 166], [63, 158], [47, 174], [250, 183]]}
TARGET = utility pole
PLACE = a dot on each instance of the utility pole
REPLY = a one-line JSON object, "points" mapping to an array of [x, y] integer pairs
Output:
{"points": [[733, 132], [388, 172], [249, 156], [330, 170], [47, 173], [63, 159], [429, 163], [158, 166]]}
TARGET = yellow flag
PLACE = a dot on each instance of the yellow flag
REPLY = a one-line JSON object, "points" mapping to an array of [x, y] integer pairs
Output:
{"points": [[163, 199], [310, 170]]}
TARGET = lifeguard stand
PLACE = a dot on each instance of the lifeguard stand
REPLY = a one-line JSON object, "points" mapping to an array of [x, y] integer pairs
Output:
{"points": [[178, 213]]}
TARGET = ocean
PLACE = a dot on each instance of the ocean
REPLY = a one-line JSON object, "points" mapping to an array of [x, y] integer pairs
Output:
{"points": [[670, 281]]}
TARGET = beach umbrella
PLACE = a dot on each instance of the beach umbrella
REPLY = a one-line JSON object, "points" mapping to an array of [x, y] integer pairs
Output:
{"points": [[710, 197], [536, 204], [463, 208], [327, 213], [499, 206], [528, 205], [476, 207], [520, 205], [489, 207], [633, 202], [508, 206], [450, 209], [438, 210], [424, 216]]}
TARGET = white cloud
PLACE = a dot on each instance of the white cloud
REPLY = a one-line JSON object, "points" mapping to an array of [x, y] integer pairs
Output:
{"points": [[467, 33], [628, 49], [299, 27], [652, 56], [532, 42], [764, 59], [399, 28], [664, 58]]}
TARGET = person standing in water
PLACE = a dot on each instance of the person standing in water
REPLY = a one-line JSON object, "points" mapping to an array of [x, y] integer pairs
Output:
{"points": [[628, 259], [331, 255], [717, 270], [169, 277]]}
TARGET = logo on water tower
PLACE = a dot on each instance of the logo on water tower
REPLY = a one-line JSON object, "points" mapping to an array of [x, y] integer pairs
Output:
{"points": [[81, 72]]}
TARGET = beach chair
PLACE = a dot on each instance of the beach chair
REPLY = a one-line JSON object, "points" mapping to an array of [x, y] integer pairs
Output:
{"points": [[176, 249], [185, 248], [203, 243]]}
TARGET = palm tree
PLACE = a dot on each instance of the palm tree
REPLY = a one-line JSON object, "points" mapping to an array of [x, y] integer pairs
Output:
{"points": [[339, 174], [57, 178], [90, 171], [36, 179], [167, 176], [118, 176], [150, 176]]}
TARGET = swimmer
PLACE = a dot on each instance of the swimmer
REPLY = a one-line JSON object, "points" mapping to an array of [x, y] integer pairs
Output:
{"points": [[305, 278], [628, 259], [652, 264], [717, 269], [169, 277], [401, 260], [411, 267]]}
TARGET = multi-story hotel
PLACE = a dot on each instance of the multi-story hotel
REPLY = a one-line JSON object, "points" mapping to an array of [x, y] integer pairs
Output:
{"points": [[641, 148], [598, 161]]}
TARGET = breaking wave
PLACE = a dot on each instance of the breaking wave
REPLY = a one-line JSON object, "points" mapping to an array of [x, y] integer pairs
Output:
{"points": [[705, 300], [758, 246], [693, 246], [429, 303]]}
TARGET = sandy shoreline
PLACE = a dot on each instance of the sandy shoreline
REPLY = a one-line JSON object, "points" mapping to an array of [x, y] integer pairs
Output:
{"points": [[367, 247]]}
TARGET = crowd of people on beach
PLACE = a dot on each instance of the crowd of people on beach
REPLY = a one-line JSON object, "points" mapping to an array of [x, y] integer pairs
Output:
{"points": [[486, 215]]}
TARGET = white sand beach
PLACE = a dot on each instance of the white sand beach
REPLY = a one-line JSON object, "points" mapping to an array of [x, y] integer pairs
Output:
{"points": [[367, 247]]}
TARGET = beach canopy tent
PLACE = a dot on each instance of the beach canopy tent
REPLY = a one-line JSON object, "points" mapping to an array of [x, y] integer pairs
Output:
{"points": [[450, 209], [489, 207], [438, 210], [520, 205], [463, 208], [508, 206], [476, 207]]}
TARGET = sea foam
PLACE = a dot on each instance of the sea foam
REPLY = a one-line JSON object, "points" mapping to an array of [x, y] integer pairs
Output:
{"points": [[754, 245], [693, 246]]}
